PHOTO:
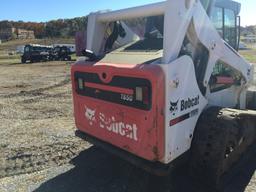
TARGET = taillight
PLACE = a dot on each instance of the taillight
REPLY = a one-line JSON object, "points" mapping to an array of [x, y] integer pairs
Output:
{"points": [[80, 84], [139, 94], [142, 95]]}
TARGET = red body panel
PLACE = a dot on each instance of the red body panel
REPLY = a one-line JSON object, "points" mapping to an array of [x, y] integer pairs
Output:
{"points": [[140, 132]]}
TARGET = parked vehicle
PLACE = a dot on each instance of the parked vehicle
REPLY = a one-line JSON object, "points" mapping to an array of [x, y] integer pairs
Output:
{"points": [[242, 46], [61, 53], [176, 96], [72, 47], [36, 53]]}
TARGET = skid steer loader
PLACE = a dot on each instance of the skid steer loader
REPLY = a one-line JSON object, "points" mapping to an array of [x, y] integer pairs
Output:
{"points": [[163, 85]]}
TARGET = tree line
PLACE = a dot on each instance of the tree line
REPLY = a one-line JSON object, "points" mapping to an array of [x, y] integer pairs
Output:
{"points": [[55, 28], [249, 30], [68, 27]]}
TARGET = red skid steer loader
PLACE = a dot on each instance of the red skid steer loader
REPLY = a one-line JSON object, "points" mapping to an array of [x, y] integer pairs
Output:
{"points": [[163, 84]]}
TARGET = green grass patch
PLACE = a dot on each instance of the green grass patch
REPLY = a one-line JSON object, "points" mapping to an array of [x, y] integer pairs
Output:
{"points": [[250, 58], [249, 55], [6, 57], [73, 57], [9, 61]]}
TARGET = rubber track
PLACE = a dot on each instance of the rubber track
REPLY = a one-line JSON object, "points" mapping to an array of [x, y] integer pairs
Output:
{"points": [[221, 136]]}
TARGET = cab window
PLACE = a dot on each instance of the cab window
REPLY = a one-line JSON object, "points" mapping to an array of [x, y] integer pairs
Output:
{"points": [[149, 31], [27, 49], [223, 77], [224, 21], [230, 27], [217, 19]]}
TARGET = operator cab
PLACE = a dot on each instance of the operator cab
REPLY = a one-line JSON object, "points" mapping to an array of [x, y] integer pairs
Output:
{"points": [[225, 17]]}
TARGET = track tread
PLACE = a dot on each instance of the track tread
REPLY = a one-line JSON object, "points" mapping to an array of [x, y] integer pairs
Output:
{"points": [[217, 146]]}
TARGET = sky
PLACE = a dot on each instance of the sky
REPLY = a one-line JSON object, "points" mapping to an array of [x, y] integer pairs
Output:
{"points": [[45, 10]]}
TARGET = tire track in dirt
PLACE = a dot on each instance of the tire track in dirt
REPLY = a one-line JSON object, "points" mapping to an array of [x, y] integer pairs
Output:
{"points": [[28, 160], [37, 92]]}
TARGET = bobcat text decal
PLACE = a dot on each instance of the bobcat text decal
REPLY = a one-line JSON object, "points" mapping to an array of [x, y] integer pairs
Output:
{"points": [[188, 103], [111, 124], [185, 104]]}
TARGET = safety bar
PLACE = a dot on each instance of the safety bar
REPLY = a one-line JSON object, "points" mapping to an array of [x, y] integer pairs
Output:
{"points": [[135, 12]]}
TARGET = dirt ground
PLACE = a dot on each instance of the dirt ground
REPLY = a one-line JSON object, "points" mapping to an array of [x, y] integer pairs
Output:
{"points": [[39, 152], [36, 124]]}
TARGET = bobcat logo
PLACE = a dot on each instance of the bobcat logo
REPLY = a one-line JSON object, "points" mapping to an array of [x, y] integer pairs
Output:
{"points": [[174, 107], [90, 115]]}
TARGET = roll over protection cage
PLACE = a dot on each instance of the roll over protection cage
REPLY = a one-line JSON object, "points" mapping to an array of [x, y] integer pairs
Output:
{"points": [[170, 9], [178, 15]]}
